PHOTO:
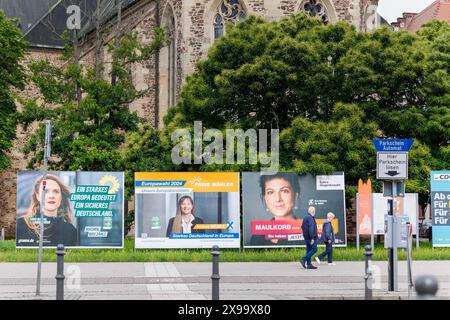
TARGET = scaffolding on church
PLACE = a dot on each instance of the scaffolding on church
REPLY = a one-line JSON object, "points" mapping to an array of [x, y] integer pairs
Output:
{"points": [[46, 27]]}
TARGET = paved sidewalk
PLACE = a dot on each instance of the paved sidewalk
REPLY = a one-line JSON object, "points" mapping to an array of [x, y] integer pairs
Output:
{"points": [[188, 281]]}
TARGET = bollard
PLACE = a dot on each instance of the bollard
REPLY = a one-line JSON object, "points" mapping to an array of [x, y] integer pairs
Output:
{"points": [[215, 277], [368, 277], [426, 287], [60, 272], [3, 234]]}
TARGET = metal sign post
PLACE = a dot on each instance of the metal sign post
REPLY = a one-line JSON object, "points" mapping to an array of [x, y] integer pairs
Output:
{"points": [[392, 165], [47, 143], [393, 257], [390, 244], [372, 237]]}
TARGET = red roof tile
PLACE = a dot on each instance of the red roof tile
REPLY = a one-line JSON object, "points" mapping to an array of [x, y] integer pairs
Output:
{"points": [[440, 10]]}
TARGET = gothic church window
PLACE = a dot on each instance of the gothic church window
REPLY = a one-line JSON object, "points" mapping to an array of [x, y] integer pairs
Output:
{"points": [[218, 26], [167, 65], [171, 64], [227, 11], [315, 8]]}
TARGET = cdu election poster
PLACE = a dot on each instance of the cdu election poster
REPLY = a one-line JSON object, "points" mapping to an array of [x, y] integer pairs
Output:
{"points": [[440, 212]]}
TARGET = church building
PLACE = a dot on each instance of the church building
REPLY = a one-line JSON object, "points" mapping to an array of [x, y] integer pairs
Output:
{"points": [[192, 25]]}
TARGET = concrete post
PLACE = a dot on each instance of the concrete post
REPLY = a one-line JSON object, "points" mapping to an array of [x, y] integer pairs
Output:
{"points": [[215, 277], [60, 272], [426, 287], [368, 277]]}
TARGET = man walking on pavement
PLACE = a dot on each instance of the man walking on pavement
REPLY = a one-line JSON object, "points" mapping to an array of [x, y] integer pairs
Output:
{"points": [[309, 228], [328, 239]]}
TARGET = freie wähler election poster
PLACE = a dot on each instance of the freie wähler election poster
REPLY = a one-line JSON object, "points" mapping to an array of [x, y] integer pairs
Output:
{"points": [[274, 207], [81, 209], [187, 209]]}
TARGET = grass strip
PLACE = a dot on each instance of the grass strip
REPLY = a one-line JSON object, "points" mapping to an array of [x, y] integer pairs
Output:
{"points": [[9, 253]]}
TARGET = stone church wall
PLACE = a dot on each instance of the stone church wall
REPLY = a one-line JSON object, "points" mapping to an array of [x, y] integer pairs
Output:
{"points": [[8, 178]]}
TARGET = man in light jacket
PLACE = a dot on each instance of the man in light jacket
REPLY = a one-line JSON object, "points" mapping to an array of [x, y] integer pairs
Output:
{"points": [[328, 239]]}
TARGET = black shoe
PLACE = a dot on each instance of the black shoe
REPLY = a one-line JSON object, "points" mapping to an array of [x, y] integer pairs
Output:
{"points": [[303, 263], [311, 267]]}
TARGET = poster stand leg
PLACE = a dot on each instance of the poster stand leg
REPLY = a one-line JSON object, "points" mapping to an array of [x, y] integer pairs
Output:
{"points": [[372, 229], [357, 222], [417, 223]]}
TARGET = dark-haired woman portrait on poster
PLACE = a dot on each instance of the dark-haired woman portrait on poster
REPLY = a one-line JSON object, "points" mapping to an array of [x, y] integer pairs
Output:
{"points": [[280, 194], [58, 227], [184, 220]]}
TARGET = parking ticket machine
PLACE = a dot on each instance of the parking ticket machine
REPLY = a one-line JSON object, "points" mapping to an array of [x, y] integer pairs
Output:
{"points": [[396, 229]]}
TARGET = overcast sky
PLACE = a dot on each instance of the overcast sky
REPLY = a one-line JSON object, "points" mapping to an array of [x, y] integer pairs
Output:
{"points": [[392, 9]]}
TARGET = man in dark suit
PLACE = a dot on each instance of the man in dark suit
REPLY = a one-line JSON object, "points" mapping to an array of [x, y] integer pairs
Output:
{"points": [[309, 228]]}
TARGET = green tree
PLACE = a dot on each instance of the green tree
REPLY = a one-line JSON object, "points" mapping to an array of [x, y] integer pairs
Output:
{"points": [[330, 89], [12, 50], [145, 150], [342, 144], [265, 74], [345, 144], [436, 131], [88, 132]]}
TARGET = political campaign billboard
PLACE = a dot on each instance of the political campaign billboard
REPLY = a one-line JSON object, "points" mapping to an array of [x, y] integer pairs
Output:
{"points": [[81, 209], [407, 205], [364, 210], [274, 207], [187, 209], [440, 208]]}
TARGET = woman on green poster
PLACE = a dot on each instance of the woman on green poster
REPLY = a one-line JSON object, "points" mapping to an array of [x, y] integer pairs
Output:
{"points": [[58, 227]]}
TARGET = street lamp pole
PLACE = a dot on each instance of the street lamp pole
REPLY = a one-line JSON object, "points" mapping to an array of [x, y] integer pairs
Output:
{"points": [[47, 144]]}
